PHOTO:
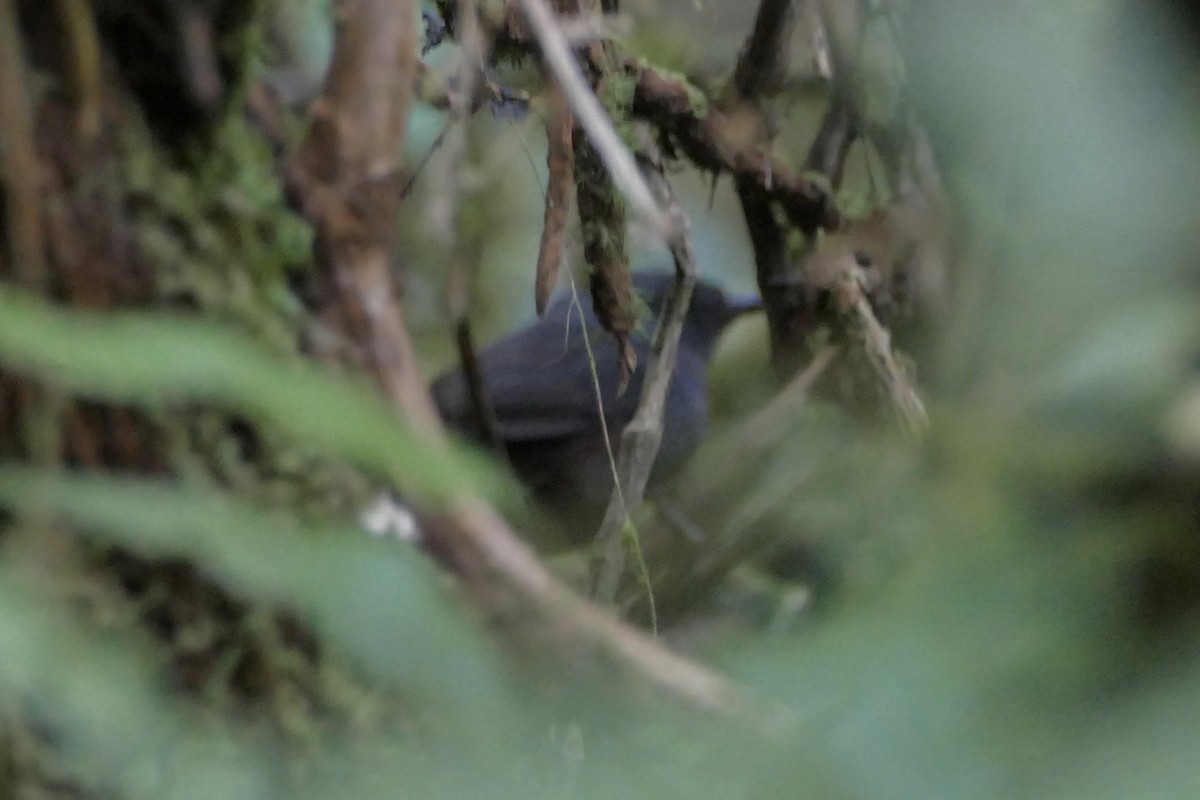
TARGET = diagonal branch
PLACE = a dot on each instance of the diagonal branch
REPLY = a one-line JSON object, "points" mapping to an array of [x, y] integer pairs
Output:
{"points": [[642, 437], [700, 130]]}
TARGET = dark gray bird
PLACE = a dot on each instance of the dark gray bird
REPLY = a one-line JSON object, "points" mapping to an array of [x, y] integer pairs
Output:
{"points": [[539, 381]]}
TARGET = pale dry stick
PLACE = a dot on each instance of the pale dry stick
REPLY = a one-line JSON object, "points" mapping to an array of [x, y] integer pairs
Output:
{"points": [[750, 440], [507, 579], [642, 437], [593, 119], [877, 343]]}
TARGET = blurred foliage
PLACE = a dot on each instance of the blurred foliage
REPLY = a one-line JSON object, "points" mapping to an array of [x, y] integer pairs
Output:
{"points": [[1007, 609], [138, 358]]}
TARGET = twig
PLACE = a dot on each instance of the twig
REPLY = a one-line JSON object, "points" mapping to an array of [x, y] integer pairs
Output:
{"points": [[592, 118], [699, 130], [694, 570], [346, 181], [485, 413], [642, 437], [877, 344], [758, 432], [508, 581], [703, 564]]}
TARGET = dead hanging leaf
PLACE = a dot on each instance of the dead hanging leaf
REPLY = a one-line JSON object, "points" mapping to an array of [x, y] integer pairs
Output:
{"points": [[612, 298], [627, 364], [602, 224], [560, 162]]}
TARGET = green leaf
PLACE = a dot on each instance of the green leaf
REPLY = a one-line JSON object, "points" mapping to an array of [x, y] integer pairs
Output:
{"points": [[151, 359], [378, 601]]}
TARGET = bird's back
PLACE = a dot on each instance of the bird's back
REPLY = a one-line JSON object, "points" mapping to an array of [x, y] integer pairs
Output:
{"points": [[542, 383]]}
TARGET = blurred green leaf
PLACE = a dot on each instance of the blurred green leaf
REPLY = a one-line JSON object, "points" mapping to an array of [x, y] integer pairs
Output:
{"points": [[378, 601], [153, 359], [116, 731]]}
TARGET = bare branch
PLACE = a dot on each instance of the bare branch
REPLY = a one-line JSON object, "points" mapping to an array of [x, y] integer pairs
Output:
{"points": [[757, 433], [700, 130], [450, 187], [642, 437], [592, 118], [877, 344], [507, 580], [695, 570]]}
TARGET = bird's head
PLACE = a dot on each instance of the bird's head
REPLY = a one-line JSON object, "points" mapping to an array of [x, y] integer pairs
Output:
{"points": [[710, 311]]}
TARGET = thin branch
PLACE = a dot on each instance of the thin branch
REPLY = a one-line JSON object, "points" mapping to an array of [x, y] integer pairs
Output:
{"points": [[699, 129], [830, 147], [695, 569], [83, 54], [761, 430], [506, 579], [642, 437], [485, 412], [591, 116], [346, 181], [449, 188], [877, 343]]}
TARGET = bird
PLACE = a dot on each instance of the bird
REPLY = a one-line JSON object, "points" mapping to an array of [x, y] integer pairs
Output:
{"points": [[539, 381]]}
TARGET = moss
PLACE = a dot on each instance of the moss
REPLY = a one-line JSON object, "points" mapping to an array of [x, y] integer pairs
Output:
{"points": [[223, 241], [697, 99], [617, 93], [219, 231]]}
